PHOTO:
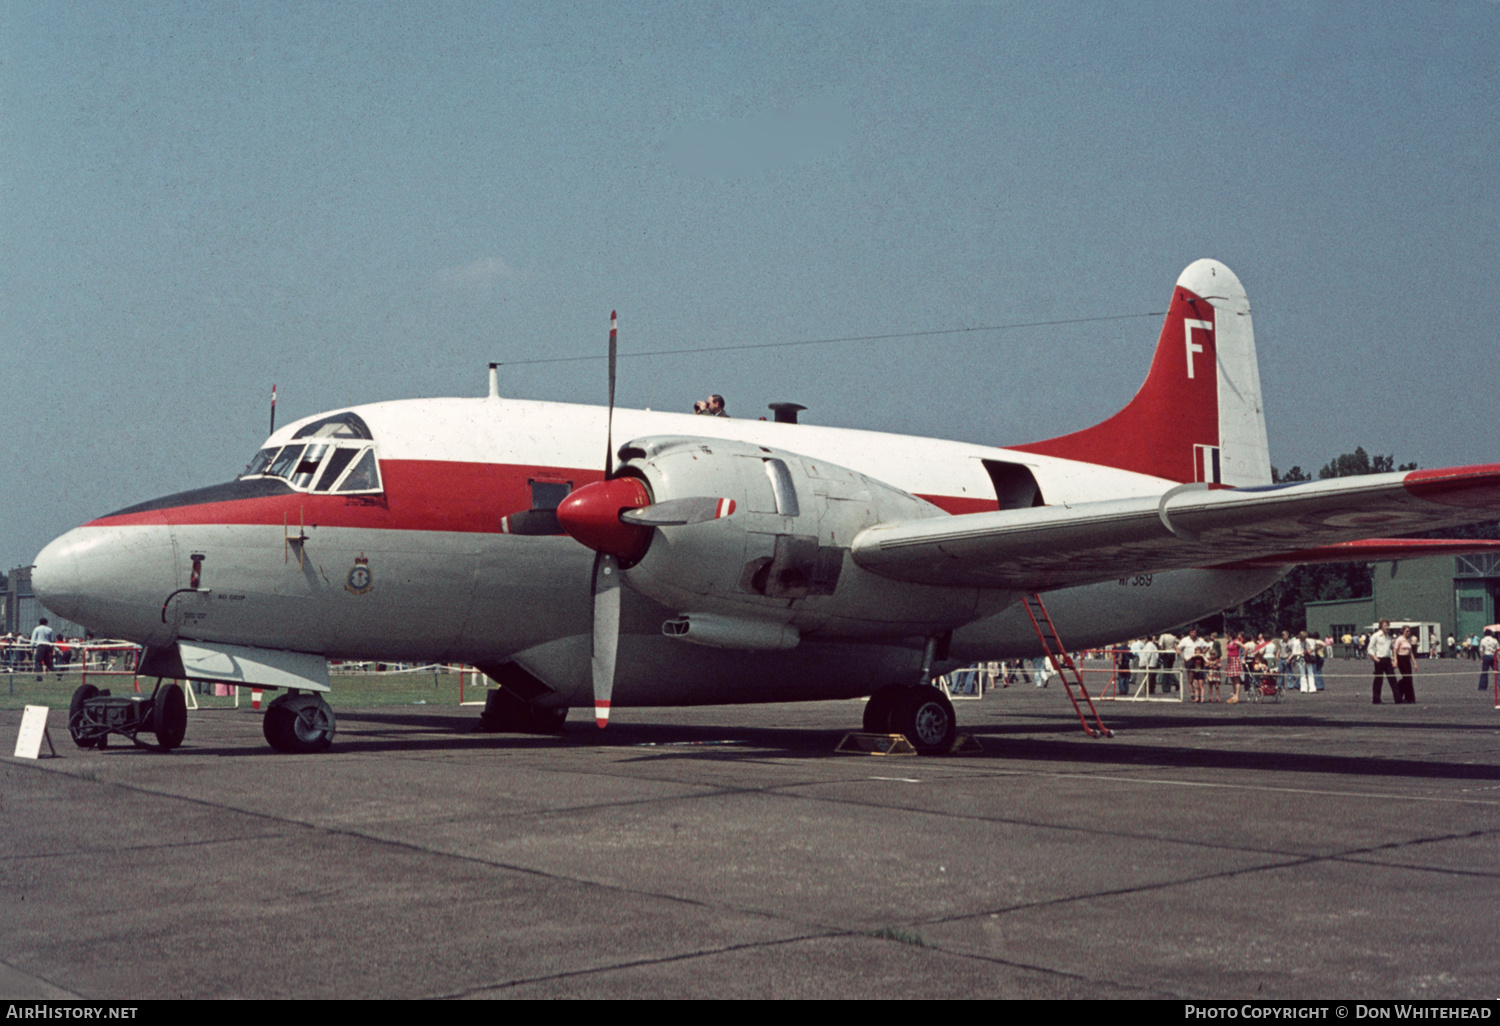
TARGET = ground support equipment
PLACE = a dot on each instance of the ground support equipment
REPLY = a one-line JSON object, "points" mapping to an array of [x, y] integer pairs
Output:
{"points": [[1063, 663]]}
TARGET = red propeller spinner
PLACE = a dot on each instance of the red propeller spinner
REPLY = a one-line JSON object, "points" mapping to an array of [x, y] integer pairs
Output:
{"points": [[591, 515]]}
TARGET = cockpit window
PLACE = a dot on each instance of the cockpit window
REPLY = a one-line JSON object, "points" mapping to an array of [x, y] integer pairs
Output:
{"points": [[307, 466], [365, 477], [260, 462], [339, 425], [334, 467], [284, 463]]}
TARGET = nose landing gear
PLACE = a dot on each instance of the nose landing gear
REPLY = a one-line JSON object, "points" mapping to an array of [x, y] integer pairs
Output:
{"points": [[93, 715]]}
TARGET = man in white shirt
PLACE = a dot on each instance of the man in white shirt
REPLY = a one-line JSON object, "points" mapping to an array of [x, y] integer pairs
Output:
{"points": [[41, 643], [1166, 647], [1291, 647], [1191, 649], [1487, 648], [1150, 658], [1307, 645], [1379, 651]]}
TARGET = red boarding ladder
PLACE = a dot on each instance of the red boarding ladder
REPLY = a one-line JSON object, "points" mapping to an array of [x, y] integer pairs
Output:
{"points": [[1062, 663]]}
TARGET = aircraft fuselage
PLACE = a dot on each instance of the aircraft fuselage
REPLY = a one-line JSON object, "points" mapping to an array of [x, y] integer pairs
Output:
{"points": [[443, 551]]}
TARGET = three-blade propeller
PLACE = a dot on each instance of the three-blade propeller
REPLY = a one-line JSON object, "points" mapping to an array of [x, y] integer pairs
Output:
{"points": [[616, 518]]}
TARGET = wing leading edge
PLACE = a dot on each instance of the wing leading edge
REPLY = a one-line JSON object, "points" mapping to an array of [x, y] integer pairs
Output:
{"points": [[1058, 546]]}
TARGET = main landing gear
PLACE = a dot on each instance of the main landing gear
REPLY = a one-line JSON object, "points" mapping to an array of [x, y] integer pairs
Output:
{"points": [[299, 724], [921, 712], [522, 704], [505, 712]]}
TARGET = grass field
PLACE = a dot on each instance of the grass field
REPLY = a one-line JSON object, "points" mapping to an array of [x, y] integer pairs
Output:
{"points": [[350, 691]]}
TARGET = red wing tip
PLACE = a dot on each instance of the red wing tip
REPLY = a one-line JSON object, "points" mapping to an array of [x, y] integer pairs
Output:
{"points": [[614, 315], [1475, 487], [1446, 473], [1377, 550]]}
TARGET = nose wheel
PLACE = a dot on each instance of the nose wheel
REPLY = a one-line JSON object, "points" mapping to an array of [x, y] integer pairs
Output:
{"points": [[299, 724]]}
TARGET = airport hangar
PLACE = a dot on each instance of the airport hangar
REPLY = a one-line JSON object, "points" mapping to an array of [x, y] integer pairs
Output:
{"points": [[1459, 593]]}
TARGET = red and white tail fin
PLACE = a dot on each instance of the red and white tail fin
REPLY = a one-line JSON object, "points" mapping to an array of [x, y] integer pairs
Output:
{"points": [[1198, 417]]}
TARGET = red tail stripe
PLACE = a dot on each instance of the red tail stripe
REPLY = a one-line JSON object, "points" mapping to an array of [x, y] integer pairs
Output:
{"points": [[1175, 411]]}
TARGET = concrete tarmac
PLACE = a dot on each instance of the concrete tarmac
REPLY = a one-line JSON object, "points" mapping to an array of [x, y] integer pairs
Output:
{"points": [[1320, 847]]}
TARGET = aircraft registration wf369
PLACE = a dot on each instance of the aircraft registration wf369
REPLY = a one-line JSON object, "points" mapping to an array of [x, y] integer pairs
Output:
{"points": [[711, 560]]}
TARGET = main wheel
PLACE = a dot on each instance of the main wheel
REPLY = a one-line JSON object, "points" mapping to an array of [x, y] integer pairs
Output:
{"points": [[879, 708], [926, 717], [551, 720], [169, 716], [299, 724], [77, 718]]}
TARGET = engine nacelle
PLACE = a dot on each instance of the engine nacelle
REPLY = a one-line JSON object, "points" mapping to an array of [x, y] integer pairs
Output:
{"points": [[782, 556]]}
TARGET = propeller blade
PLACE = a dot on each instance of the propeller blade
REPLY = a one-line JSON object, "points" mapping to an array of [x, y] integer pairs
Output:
{"points": [[606, 632], [609, 421], [606, 584], [694, 509]]}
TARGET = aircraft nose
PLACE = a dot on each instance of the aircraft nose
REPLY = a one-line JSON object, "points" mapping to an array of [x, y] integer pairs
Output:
{"points": [[54, 577], [110, 579]]}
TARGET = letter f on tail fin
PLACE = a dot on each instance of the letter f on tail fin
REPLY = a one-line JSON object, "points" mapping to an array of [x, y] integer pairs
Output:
{"points": [[1198, 417]]}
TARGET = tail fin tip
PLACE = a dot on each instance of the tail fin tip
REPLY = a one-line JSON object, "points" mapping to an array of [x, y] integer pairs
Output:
{"points": [[1198, 417]]}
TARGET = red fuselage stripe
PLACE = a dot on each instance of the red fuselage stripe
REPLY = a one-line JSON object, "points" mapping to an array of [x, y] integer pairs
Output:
{"points": [[420, 495]]}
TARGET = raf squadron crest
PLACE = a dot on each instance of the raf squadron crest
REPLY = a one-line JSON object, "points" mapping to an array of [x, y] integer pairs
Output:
{"points": [[361, 579]]}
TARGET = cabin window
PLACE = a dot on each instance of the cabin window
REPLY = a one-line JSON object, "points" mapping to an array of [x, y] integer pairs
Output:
{"points": [[549, 494], [541, 518]]}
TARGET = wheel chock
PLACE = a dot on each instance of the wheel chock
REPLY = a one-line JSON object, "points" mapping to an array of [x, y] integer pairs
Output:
{"points": [[874, 744]]}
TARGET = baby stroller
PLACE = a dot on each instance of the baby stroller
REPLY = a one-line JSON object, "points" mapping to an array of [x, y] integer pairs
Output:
{"points": [[1262, 683]]}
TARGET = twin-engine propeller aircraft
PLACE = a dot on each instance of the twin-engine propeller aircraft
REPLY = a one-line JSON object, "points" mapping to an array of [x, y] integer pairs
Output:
{"points": [[711, 560]]}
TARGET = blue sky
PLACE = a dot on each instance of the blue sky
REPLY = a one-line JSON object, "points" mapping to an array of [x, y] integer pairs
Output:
{"points": [[362, 202]]}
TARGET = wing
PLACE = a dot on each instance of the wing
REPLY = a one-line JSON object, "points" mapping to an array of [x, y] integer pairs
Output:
{"points": [[1190, 526]]}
